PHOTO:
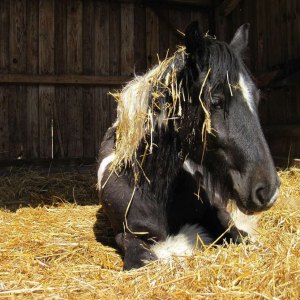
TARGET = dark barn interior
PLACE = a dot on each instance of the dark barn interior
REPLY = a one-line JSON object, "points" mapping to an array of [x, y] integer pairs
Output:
{"points": [[59, 59]]}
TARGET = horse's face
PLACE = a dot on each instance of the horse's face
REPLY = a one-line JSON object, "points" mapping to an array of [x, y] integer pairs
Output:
{"points": [[236, 148]]}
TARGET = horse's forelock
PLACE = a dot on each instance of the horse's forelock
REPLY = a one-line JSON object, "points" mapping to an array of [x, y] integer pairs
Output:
{"points": [[222, 60]]}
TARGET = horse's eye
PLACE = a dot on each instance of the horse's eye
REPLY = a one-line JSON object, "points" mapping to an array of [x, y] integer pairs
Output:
{"points": [[217, 101]]}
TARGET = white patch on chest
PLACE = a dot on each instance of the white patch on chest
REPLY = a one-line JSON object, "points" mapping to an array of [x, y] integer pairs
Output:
{"points": [[190, 166], [246, 91], [104, 164]]}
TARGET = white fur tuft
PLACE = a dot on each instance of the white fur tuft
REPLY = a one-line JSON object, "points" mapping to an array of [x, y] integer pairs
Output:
{"points": [[181, 244], [247, 223], [190, 166]]}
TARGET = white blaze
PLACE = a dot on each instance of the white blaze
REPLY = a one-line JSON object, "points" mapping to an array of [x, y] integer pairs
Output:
{"points": [[246, 92]]}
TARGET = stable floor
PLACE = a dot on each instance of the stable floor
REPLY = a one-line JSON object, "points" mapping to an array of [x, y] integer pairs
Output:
{"points": [[59, 245]]}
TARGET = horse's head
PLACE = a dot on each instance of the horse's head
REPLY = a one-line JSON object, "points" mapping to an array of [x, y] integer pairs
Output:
{"points": [[235, 150]]}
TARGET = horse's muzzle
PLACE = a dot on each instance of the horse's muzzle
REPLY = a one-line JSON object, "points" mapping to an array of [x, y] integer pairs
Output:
{"points": [[255, 194]]}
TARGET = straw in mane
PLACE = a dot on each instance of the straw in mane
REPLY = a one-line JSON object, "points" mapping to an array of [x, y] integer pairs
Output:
{"points": [[142, 106]]}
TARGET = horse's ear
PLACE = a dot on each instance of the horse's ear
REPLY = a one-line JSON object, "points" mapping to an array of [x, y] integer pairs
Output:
{"points": [[193, 38], [240, 39]]}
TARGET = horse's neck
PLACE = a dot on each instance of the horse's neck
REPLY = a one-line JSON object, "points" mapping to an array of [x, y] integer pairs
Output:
{"points": [[162, 165]]}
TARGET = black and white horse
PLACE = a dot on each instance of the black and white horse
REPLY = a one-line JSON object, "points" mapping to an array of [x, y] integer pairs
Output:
{"points": [[186, 155]]}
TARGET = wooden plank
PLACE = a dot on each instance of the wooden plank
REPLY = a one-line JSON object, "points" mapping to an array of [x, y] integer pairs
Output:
{"points": [[4, 124], [46, 66], [287, 162], [283, 130], [281, 146], [17, 121], [4, 36], [198, 3], [18, 94], [46, 37], [282, 31], [74, 66], [262, 36], [220, 24], [102, 58], [228, 6], [74, 122], [17, 36], [297, 29], [202, 18], [32, 105], [88, 105], [60, 37], [104, 114], [101, 38], [13, 122], [66, 164], [98, 118], [291, 29], [46, 98], [152, 38], [183, 22], [59, 105], [115, 38], [140, 58], [88, 38], [173, 15], [289, 33], [74, 36], [63, 79], [32, 111], [127, 38], [163, 33], [297, 112], [178, 19], [278, 115], [4, 68], [273, 55], [32, 41]]}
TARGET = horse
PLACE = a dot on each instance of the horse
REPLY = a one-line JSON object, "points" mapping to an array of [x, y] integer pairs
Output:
{"points": [[186, 159]]}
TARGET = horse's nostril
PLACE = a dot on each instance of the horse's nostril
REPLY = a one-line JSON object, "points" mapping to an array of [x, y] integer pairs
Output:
{"points": [[265, 196], [260, 194]]}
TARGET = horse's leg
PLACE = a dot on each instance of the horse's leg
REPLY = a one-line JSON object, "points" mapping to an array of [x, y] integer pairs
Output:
{"points": [[235, 234], [136, 217], [137, 252]]}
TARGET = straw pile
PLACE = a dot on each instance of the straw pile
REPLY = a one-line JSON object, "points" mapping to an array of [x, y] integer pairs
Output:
{"points": [[29, 186], [50, 252]]}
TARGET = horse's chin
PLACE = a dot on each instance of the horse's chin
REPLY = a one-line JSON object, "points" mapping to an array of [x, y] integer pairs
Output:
{"points": [[240, 205], [247, 211]]}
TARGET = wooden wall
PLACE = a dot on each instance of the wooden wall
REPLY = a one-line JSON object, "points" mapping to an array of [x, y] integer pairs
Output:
{"points": [[60, 58], [274, 46]]}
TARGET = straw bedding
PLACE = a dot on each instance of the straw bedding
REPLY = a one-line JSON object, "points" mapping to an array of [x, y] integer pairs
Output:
{"points": [[50, 251]]}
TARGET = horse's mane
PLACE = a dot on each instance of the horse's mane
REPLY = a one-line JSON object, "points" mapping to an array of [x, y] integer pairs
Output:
{"points": [[143, 105], [222, 60]]}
